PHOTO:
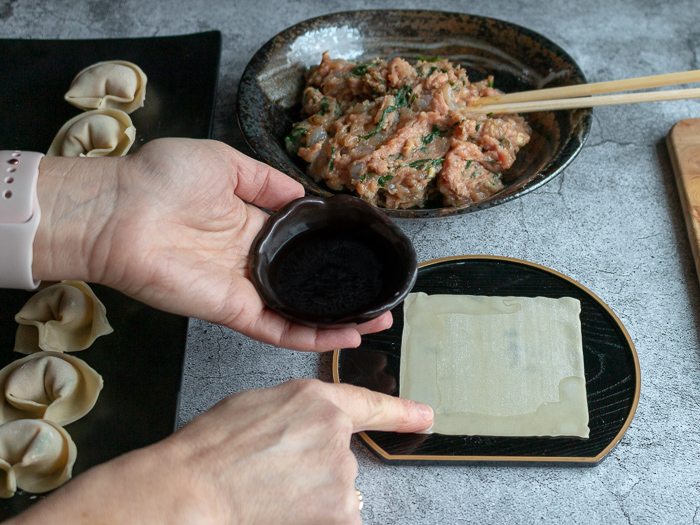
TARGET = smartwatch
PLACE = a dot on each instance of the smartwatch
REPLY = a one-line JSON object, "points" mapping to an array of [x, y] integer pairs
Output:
{"points": [[19, 217]]}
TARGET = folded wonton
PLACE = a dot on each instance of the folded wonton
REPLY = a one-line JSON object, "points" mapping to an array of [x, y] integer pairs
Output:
{"points": [[99, 133], [65, 317], [35, 455], [115, 84], [48, 385]]}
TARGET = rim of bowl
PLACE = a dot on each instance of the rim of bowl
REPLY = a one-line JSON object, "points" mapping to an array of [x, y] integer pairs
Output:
{"points": [[258, 263]]}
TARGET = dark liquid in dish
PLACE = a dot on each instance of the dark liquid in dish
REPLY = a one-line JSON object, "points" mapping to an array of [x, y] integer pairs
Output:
{"points": [[332, 272]]}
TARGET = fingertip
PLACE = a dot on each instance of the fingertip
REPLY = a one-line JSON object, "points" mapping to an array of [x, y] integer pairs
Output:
{"points": [[287, 185], [377, 324], [385, 321], [263, 185], [293, 188], [371, 410], [426, 412], [418, 417]]}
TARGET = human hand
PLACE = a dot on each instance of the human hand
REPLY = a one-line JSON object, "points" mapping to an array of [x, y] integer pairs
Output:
{"points": [[274, 456], [171, 225]]}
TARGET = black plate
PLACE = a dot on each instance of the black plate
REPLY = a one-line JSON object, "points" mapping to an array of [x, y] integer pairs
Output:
{"points": [[141, 362], [270, 90], [610, 360], [182, 74]]}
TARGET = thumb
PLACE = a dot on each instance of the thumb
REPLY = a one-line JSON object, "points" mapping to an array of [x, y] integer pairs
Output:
{"points": [[371, 410], [262, 185]]}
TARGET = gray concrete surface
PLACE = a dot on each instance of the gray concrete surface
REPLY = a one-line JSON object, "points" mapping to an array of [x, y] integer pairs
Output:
{"points": [[612, 222]]}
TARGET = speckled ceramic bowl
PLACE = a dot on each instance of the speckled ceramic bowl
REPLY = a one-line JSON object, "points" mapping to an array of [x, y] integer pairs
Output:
{"points": [[332, 261], [520, 59]]}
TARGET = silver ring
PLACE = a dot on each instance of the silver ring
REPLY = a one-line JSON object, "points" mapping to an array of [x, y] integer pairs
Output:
{"points": [[359, 497]]}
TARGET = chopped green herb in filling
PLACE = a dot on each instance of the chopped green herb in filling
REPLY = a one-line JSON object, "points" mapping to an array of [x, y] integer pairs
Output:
{"points": [[383, 180], [400, 100], [386, 111], [423, 74], [402, 95], [295, 136], [424, 164], [435, 132], [324, 106], [368, 174], [361, 70], [495, 180]]}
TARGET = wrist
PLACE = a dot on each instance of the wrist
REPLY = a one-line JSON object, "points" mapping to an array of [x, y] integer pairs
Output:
{"points": [[143, 487], [77, 197]]}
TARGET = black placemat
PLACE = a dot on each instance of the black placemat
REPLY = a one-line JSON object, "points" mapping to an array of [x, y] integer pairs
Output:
{"points": [[141, 362]]}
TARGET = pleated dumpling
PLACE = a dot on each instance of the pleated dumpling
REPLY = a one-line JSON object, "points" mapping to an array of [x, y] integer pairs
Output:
{"points": [[35, 455], [99, 133], [64, 317], [48, 385], [114, 84]]}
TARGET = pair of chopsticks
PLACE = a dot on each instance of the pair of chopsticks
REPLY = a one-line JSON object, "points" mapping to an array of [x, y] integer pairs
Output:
{"points": [[580, 96]]}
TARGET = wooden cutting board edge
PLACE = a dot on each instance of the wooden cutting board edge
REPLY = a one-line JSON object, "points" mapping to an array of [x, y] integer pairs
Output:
{"points": [[683, 143]]}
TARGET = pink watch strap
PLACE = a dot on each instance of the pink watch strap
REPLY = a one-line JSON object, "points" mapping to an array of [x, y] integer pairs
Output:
{"points": [[19, 217]]}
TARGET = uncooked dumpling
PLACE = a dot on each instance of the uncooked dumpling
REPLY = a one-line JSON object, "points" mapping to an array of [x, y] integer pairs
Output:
{"points": [[35, 455], [115, 84], [99, 133], [48, 385], [65, 317]]}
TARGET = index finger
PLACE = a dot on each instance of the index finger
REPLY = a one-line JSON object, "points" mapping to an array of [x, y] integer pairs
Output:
{"points": [[371, 410]]}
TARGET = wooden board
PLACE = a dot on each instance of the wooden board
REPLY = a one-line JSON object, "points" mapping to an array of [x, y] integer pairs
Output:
{"points": [[683, 143]]}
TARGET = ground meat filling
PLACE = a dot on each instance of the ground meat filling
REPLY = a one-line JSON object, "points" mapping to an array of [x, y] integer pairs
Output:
{"points": [[399, 134]]}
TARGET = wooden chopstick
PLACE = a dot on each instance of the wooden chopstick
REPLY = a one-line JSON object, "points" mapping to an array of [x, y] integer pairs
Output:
{"points": [[598, 88], [587, 102]]}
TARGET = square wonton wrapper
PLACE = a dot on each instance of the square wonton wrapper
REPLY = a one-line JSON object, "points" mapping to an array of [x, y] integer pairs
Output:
{"points": [[496, 366]]}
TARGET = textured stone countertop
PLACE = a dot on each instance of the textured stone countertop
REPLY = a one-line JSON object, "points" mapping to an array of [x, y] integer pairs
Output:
{"points": [[612, 221]]}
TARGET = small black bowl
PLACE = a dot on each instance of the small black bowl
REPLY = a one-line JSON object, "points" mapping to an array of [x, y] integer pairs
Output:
{"points": [[332, 261]]}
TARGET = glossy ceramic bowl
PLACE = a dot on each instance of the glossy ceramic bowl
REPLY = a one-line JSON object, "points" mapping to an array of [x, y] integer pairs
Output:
{"points": [[332, 261], [520, 59]]}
